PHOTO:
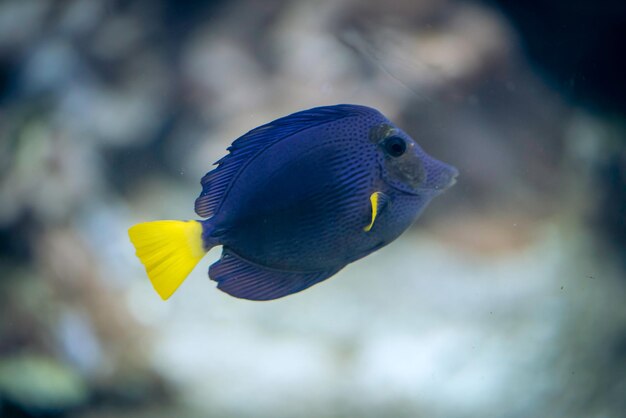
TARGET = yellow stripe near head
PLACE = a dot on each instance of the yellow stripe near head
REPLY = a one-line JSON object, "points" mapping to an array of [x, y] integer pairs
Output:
{"points": [[375, 201], [169, 250]]}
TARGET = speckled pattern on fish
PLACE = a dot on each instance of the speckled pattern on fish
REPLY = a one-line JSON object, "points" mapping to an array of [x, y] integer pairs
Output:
{"points": [[297, 199]]}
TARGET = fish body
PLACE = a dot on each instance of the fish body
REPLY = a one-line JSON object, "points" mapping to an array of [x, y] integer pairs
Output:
{"points": [[297, 199]]}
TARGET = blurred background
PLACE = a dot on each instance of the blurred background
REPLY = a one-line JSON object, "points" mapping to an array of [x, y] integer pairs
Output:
{"points": [[506, 299]]}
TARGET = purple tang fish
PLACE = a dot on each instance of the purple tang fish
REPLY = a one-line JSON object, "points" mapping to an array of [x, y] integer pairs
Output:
{"points": [[296, 200]]}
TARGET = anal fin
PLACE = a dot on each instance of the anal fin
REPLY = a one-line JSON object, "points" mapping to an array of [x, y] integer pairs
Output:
{"points": [[246, 280]]}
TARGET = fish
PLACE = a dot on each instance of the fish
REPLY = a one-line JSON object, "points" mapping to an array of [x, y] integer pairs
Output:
{"points": [[296, 200]]}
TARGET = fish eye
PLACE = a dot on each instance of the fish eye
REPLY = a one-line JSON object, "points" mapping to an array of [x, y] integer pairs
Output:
{"points": [[395, 146]]}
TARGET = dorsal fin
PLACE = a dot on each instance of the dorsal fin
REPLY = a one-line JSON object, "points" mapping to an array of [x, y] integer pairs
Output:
{"points": [[215, 183]]}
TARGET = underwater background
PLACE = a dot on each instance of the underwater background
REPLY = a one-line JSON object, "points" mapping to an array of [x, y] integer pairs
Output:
{"points": [[506, 298]]}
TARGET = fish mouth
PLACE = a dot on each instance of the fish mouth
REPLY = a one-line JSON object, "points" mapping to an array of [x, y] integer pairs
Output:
{"points": [[448, 179], [443, 179]]}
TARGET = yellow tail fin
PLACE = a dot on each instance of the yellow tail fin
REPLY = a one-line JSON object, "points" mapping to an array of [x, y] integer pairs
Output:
{"points": [[169, 250]]}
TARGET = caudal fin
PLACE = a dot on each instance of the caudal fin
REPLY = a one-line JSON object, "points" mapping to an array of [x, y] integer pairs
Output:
{"points": [[169, 250]]}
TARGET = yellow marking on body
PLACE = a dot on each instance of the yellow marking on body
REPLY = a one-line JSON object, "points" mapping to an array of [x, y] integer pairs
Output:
{"points": [[375, 200], [169, 250]]}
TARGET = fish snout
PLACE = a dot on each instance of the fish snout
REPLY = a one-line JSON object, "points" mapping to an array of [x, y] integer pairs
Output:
{"points": [[439, 175]]}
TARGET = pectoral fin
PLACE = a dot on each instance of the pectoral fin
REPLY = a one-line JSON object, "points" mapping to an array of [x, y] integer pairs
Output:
{"points": [[379, 201]]}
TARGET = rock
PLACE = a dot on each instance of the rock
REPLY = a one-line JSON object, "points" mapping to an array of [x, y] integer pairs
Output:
{"points": [[40, 384]]}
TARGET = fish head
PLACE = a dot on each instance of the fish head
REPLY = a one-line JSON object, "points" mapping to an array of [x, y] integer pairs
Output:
{"points": [[405, 166]]}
